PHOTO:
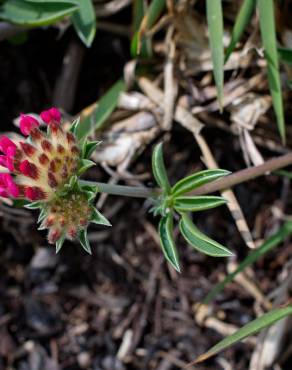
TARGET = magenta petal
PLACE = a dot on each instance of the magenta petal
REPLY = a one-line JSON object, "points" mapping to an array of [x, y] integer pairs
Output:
{"points": [[27, 123], [3, 161], [45, 116], [6, 143], [55, 114], [51, 115], [3, 193]]}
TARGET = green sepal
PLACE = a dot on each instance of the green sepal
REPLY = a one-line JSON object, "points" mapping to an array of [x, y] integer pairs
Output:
{"points": [[59, 243], [20, 203], [84, 240], [34, 205], [88, 148], [74, 125], [84, 165], [90, 195], [42, 226], [42, 215], [165, 231], [98, 218]]}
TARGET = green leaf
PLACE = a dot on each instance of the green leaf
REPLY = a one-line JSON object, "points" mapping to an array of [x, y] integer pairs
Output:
{"points": [[200, 241], [35, 14], [196, 180], [99, 219], [251, 328], [59, 243], [165, 230], [33, 205], [215, 28], [197, 203], [268, 33], [104, 109], [285, 55], [84, 165], [89, 148], [159, 170], [84, 240], [74, 125], [254, 256], [241, 22], [84, 21]]}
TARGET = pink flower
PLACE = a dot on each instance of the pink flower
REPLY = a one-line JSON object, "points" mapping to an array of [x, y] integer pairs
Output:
{"points": [[27, 124], [52, 115], [6, 143], [8, 185]]}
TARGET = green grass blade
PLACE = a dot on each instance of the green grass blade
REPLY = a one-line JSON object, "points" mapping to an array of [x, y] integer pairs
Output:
{"points": [[215, 28], [139, 9], [251, 328], [104, 109], [241, 22], [267, 246], [153, 13], [268, 33]]}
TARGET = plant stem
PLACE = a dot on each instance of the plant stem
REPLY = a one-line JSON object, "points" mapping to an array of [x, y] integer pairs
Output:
{"points": [[218, 185], [126, 191], [245, 175]]}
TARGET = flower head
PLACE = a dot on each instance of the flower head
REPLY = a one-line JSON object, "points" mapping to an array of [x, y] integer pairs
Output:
{"points": [[44, 169]]}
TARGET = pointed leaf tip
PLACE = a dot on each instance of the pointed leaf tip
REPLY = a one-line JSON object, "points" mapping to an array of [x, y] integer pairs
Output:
{"points": [[99, 219], [83, 238], [168, 246], [158, 168]]}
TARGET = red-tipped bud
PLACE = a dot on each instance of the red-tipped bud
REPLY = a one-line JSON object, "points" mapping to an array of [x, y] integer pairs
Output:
{"points": [[29, 169], [53, 183], [54, 235], [34, 193], [52, 115], [27, 124], [5, 144], [28, 149], [46, 145], [50, 221], [72, 232], [43, 159]]}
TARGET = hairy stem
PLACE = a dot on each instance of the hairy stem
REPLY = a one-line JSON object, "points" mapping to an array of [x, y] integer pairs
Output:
{"points": [[218, 185]]}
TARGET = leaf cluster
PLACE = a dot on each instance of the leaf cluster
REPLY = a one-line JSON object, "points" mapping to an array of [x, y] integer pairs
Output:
{"points": [[176, 201]]}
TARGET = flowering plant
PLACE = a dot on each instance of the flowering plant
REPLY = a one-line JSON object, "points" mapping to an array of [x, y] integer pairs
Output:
{"points": [[43, 168]]}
